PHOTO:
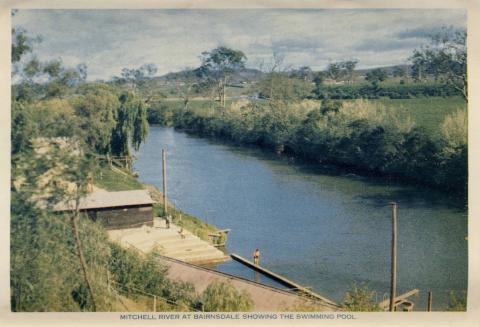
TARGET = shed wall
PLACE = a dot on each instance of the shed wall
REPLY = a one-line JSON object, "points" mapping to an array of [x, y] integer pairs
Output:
{"points": [[123, 217]]}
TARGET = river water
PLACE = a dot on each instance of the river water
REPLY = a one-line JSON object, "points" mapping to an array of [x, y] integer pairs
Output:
{"points": [[318, 226]]}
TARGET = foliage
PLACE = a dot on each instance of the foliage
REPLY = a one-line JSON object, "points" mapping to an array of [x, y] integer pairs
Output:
{"points": [[97, 112], [223, 297], [135, 78], [134, 274], [279, 87], [303, 73], [445, 58], [43, 249], [160, 113], [223, 60], [45, 273], [399, 71], [393, 91], [457, 302], [131, 125], [360, 298], [376, 76], [341, 70]]}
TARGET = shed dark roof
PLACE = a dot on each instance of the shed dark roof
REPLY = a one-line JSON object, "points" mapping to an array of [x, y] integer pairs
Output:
{"points": [[97, 200]]}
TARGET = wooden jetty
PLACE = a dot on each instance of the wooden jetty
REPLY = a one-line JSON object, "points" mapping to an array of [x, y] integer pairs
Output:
{"points": [[292, 285]]}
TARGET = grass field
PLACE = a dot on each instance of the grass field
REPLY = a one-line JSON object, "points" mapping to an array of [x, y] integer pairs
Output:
{"points": [[428, 113], [118, 180]]}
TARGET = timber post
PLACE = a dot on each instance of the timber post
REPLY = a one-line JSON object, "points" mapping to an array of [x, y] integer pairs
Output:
{"points": [[393, 277], [164, 174], [429, 301], [154, 303]]}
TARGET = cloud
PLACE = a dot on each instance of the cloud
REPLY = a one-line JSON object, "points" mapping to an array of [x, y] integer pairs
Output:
{"points": [[109, 40], [381, 45]]}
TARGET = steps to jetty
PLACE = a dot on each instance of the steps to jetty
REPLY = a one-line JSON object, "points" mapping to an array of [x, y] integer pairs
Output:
{"points": [[169, 242]]}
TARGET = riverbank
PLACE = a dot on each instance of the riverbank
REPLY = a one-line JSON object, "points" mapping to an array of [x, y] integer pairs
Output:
{"points": [[362, 135]]}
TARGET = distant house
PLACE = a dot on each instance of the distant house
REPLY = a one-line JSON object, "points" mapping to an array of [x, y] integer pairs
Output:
{"points": [[115, 210]]}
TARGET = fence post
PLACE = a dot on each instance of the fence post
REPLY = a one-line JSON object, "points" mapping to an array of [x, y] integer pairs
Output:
{"points": [[154, 303], [429, 301]]}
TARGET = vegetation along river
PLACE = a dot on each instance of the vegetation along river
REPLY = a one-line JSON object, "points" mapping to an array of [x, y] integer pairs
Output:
{"points": [[320, 227]]}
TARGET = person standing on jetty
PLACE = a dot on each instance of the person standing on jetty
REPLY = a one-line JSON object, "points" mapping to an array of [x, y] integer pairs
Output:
{"points": [[256, 257]]}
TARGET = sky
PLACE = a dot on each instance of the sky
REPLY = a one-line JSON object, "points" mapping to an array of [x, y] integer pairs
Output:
{"points": [[109, 40]]}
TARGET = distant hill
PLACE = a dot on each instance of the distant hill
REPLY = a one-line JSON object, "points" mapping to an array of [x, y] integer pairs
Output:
{"points": [[250, 74], [388, 69], [239, 76]]}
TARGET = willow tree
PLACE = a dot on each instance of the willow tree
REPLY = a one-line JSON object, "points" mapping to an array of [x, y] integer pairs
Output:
{"points": [[131, 125]]}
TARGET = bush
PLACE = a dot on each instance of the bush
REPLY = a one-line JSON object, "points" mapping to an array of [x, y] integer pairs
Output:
{"points": [[457, 302], [360, 298], [45, 272], [160, 114], [399, 91], [223, 297]]}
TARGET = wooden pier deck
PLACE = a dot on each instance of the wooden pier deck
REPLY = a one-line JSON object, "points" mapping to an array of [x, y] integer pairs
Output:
{"points": [[283, 280]]}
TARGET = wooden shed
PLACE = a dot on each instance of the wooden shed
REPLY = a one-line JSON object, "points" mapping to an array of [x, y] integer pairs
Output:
{"points": [[115, 210]]}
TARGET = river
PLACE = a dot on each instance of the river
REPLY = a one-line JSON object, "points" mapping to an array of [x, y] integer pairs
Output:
{"points": [[318, 226]]}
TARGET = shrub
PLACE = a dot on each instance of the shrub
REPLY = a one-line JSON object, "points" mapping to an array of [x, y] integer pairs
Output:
{"points": [[457, 302], [220, 296], [360, 298]]}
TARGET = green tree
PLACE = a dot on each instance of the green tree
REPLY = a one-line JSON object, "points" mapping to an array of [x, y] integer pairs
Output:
{"points": [[341, 70], [135, 78], [278, 87], [97, 111], [376, 76], [220, 296], [444, 58], [399, 71], [334, 71], [131, 125], [304, 73], [349, 67], [220, 63]]}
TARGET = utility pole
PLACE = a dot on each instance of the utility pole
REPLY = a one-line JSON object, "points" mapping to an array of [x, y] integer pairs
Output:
{"points": [[393, 279], [164, 173]]}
